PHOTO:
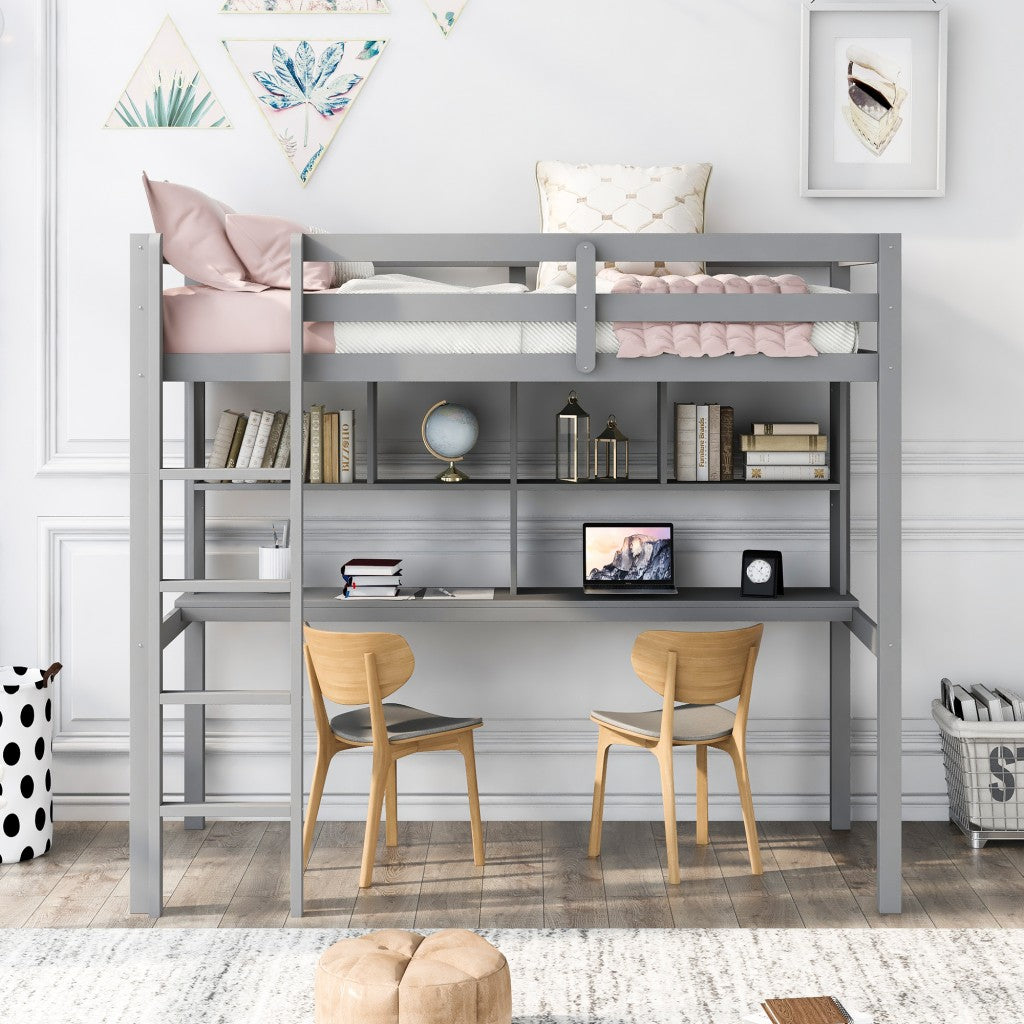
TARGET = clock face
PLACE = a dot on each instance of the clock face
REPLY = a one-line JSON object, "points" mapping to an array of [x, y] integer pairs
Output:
{"points": [[759, 571]]}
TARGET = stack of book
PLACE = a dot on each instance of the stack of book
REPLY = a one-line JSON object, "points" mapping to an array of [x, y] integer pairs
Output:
{"points": [[704, 442], [785, 451], [809, 1010], [372, 577], [328, 438], [978, 703], [259, 440]]}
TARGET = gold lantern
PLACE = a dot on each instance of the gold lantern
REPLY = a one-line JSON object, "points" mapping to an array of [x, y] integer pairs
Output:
{"points": [[611, 453], [572, 442]]}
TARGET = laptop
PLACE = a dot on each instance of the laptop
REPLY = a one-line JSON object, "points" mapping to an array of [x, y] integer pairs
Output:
{"points": [[628, 558]]}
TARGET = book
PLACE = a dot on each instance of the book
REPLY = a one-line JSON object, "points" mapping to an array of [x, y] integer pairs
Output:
{"points": [[375, 597], [236, 440], [346, 446], [330, 447], [222, 440], [714, 443], [371, 567], [965, 707], [786, 473], [1016, 702], [459, 593], [768, 429], [998, 711], [305, 447], [370, 580], [283, 458], [786, 458], [806, 1010], [276, 430], [686, 442], [375, 591], [784, 443], [702, 442], [725, 450], [249, 439], [260, 444], [316, 444], [947, 694]]}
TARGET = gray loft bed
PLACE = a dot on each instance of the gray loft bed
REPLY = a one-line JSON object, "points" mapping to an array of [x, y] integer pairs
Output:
{"points": [[249, 600]]}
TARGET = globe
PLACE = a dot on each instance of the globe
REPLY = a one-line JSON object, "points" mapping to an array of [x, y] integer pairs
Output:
{"points": [[449, 433]]}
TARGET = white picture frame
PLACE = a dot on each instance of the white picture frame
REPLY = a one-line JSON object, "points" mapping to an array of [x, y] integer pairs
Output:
{"points": [[873, 99]]}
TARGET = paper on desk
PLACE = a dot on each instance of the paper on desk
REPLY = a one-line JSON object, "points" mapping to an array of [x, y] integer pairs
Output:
{"points": [[397, 597], [459, 593], [859, 1017]]}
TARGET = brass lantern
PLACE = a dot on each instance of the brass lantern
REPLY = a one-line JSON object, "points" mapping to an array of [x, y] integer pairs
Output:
{"points": [[572, 442], [611, 453]]}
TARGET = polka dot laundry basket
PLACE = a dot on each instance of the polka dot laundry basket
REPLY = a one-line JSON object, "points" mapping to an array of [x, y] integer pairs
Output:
{"points": [[26, 749]]}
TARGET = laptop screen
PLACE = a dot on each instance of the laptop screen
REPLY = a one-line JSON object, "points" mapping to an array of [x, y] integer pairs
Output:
{"points": [[624, 553]]}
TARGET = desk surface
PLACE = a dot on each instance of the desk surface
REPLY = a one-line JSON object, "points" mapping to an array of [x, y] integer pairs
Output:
{"points": [[724, 604]]}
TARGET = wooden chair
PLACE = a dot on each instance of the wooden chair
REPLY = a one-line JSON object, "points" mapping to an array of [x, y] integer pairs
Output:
{"points": [[364, 668], [700, 669]]}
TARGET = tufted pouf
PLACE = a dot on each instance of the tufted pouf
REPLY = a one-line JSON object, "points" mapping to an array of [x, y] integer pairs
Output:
{"points": [[399, 977]]}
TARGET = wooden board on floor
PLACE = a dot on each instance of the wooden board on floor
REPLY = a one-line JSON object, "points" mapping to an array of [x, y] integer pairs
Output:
{"points": [[634, 885], [261, 899], [452, 886], [513, 885], [573, 883], [397, 876], [332, 876], [702, 899]]}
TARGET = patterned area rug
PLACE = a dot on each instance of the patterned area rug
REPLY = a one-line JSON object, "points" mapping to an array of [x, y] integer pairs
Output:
{"points": [[79, 976]]}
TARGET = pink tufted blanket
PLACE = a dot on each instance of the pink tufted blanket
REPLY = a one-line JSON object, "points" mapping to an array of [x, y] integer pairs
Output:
{"points": [[709, 339]]}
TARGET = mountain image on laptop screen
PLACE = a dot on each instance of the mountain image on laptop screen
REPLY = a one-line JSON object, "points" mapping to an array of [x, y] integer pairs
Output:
{"points": [[627, 553]]}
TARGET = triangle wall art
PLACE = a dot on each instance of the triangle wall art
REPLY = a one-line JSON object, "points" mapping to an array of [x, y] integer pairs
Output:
{"points": [[304, 7], [305, 89], [168, 90], [446, 13]]}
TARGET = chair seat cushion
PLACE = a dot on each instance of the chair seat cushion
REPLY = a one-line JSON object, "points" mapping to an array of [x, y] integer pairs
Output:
{"points": [[403, 723], [692, 723]]}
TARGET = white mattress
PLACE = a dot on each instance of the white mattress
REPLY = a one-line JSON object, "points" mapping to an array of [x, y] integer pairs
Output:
{"points": [[490, 338]]}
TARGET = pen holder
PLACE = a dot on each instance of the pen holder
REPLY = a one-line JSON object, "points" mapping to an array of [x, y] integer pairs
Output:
{"points": [[275, 563]]}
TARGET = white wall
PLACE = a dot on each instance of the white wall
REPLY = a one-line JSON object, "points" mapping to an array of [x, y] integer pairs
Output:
{"points": [[444, 138]]}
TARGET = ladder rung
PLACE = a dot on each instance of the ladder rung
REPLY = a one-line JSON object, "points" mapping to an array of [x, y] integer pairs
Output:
{"points": [[225, 697], [265, 475], [213, 809], [225, 586]]}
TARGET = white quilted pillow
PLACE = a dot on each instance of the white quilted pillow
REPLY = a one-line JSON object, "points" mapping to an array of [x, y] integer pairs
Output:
{"points": [[588, 198]]}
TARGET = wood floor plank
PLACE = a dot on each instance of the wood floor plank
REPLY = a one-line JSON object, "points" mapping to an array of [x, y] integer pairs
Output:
{"points": [[574, 894], [818, 888], [397, 875], [202, 896], [759, 901], [180, 847], [989, 872], [27, 884], [947, 897], [262, 897], [634, 884], [452, 888], [513, 885], [332, 876], [701, 900], [853, 852], [78, 896]]}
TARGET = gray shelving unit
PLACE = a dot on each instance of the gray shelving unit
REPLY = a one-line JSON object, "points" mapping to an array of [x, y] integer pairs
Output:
{"points": [[202, 600]]}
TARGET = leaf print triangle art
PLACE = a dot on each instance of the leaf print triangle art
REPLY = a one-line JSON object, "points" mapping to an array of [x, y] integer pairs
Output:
{"points": [[168, 90], [305, 89], [305, 7], [446, 12]]}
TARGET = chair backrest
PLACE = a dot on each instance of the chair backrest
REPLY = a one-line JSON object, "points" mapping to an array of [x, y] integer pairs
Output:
{"points": [[710, 667], [340, 664]]}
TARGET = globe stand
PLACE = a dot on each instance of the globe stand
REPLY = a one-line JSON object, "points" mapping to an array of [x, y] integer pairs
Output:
{"points": [[452, 475]]}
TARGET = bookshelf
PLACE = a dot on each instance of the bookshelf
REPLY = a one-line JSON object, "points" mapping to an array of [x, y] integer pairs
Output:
{"points": [[203, 601]]}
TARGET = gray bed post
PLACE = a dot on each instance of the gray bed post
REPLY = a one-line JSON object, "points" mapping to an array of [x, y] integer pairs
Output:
{"points": [[586, 307], [295, 375], [195, 569], [146, 567], [839, 581], [890, 468]]}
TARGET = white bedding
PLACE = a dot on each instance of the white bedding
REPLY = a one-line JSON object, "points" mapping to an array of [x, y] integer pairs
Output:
{"points": [[500, 338]]}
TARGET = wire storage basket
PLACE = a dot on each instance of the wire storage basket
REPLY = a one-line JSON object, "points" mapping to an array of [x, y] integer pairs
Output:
{"points": [[984, 764]]}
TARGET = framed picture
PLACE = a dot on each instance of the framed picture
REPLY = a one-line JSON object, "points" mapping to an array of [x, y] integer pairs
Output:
{"points": [[873, 99]]}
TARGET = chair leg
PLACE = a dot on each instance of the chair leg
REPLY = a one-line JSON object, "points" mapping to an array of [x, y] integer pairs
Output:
{"points": [[316, 792], [702, 795], [600, 774], [739, 760], [391, 807], [476, 825], [668, 799], [378, 783]]}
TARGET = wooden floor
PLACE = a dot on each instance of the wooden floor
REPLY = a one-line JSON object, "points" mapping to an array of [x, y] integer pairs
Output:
{"points": [[235, 874]]}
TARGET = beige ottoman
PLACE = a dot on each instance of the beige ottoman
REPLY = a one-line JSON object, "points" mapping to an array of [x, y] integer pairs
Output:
{"points": [[399, 977]]}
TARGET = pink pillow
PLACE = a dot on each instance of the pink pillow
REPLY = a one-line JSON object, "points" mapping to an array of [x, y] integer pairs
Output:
{"points": [[264, 246], [195, 239]]}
